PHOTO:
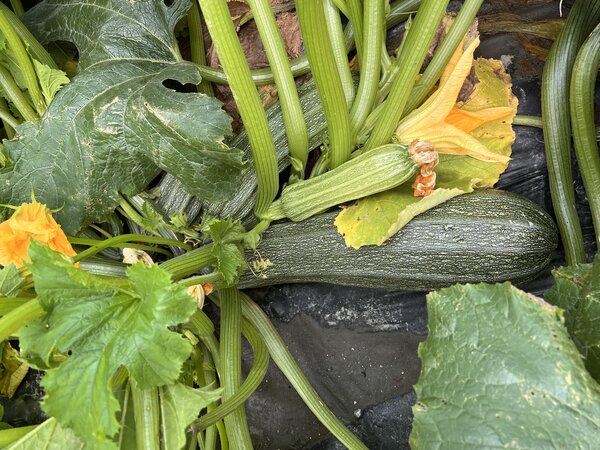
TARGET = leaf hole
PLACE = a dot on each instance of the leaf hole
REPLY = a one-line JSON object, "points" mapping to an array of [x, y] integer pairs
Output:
{"points": [[175, 85]]}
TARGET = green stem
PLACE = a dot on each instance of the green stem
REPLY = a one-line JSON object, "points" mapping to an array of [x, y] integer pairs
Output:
{"points": [[131, 213], [190, 262], [197, 48], [327, 79], [92, 242], [299, 66], [231, 373], [14, 320], [126, 238], [8, 119], [31, 43], [293, 119], [355, 11], [210, 440], [370, 64], [443, 53], [528, 121], [556, 79], [411, 58], [252, 381], [201, 279], [583, 82], [400, 11], [10, 122], [336, 34], [17, 7], [9, 304], [147, 417], [14, 42], [16, 96], [233, 60], [11, 435], [285, 361]]}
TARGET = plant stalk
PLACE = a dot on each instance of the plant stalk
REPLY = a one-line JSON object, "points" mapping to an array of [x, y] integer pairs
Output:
{"points": [[411, 58], [583, 83], [327, 79], [556, 80], [233, 60]]}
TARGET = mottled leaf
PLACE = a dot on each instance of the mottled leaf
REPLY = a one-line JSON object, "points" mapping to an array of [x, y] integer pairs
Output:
{"points": [[101, 327], [116, 125], [372, 220], [500, 371], [577, 291]]}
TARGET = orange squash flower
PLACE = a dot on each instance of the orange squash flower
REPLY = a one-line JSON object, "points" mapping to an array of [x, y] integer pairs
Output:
{"points": [[30, 221]]}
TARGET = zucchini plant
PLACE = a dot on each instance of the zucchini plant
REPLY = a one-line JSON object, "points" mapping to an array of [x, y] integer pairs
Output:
{"points": [[124, 160]]}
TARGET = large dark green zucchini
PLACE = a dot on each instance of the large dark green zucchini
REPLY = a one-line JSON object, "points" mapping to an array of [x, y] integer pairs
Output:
{"points": [[488, 236]]}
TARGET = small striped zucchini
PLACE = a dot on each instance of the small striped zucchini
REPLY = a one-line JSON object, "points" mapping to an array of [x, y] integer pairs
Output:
{"points": [[374, 171]]}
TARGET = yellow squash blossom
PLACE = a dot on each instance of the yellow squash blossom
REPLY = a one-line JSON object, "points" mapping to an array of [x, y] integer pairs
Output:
{"points": [[444, 124], [30, 221]]}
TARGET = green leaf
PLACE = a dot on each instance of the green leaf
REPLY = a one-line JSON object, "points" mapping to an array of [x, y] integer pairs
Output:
{"points": [[180, 405], [500, 371], [48, 435], [577, 291], [51, 80], [102, 328], [116, 125], [228, 248], [10, 281]]}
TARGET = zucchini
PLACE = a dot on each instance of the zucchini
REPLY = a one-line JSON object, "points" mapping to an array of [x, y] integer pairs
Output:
{"points": [[241, 203], [374, 171], [487, 236], [172, 195]]}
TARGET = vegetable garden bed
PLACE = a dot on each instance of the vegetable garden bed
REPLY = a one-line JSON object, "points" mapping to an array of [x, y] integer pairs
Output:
{"points": [[170, 205]]}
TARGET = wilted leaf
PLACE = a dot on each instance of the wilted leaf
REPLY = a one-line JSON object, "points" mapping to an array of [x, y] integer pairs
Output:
{"points": [[12, 370], [102, 327], [500, 371], [115, 126], [511, 23], [577, 291], [373, 220]]}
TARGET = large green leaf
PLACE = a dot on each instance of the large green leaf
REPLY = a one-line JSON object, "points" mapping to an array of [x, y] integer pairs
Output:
{"points": [[102, 327], [500, 371], [577, 291], [115, 126], [48, 435]]}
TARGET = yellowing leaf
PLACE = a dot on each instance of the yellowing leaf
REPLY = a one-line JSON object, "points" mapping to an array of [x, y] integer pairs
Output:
{"points": [[372, 220], [12, 371]]}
